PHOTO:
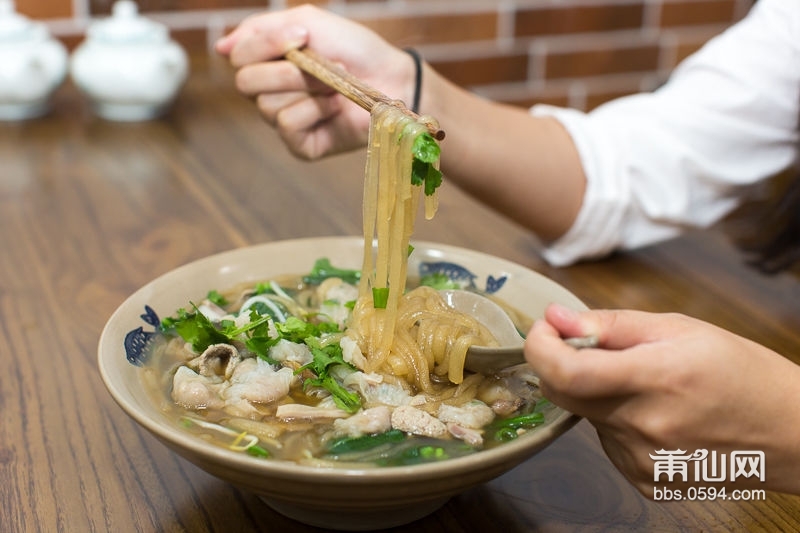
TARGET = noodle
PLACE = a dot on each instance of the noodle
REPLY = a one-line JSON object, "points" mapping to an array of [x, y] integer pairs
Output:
{"points": [[413, 335]]}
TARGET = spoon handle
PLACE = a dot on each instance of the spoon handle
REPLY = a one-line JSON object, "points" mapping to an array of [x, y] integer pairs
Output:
{"points": [[488, 360], [590, 341]]}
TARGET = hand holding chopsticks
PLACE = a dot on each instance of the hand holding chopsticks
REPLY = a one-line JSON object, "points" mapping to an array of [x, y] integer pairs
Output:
{"points": [[345, 83]]}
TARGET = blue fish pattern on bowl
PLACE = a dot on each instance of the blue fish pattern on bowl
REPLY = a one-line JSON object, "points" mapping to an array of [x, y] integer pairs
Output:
{"points": [[137, 341], [461, 275]]}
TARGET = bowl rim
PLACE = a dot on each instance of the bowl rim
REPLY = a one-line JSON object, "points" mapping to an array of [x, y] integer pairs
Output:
{"points": [[171, 435]]}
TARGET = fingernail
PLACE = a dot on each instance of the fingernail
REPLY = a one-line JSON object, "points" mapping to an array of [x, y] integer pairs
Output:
{"points": [[294, 37], [564, 312], [222, 41], [570, 322]]}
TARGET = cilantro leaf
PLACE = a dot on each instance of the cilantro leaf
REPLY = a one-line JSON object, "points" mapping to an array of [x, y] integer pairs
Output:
{"points": [[215, 297], [344, 399], [259, 342], [297, 330], [324, 358], [323, 269], [195, 328], [426, 153], [426, 149]]}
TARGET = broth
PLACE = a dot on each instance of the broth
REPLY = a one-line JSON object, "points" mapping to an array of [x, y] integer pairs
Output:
{"points": [[220, 396]]}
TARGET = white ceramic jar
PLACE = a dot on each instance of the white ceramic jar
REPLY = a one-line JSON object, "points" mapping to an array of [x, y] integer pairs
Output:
{"points": [[128, 67], [32, 65]]}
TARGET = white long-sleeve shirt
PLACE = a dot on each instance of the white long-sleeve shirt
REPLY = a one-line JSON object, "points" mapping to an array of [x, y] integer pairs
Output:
{"points": [[680, 157]]}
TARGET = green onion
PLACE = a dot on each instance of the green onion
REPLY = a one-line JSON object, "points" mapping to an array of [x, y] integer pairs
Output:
{"points": [[380, 296], [506, 429], [365, 442], [257, 451]]}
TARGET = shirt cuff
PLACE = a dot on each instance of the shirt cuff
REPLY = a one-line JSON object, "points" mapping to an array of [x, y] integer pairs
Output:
{"points": [[594, 232]]}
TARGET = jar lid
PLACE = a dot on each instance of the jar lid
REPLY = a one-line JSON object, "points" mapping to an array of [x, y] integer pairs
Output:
{"points": [[126, 26], [15, 27]]}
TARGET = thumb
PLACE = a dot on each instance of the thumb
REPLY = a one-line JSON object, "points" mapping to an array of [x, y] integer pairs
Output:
{"points": [[614, 329]]}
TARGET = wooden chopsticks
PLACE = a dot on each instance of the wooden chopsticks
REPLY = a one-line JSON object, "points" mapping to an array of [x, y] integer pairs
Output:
{"points": [[342, 81]]}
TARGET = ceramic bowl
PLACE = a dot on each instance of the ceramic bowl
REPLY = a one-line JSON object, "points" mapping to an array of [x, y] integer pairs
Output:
{"points": [[355, 499]]}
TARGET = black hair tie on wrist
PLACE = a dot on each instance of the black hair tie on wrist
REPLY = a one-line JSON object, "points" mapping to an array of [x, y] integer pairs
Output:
{"points": [[418, 81]]}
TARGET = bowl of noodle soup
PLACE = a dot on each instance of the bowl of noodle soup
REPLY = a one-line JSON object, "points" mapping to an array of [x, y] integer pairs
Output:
{"points": [[351, 494]]}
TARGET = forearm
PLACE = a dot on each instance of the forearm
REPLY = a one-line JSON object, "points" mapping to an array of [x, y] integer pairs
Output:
{"points": [[523, 166]]}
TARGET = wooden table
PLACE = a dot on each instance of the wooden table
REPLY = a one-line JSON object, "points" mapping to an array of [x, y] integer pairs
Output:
{"points": [[91, 210]]}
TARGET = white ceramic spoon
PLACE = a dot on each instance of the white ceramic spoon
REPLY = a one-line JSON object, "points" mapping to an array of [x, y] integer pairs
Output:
{"points": [[486, 359]]}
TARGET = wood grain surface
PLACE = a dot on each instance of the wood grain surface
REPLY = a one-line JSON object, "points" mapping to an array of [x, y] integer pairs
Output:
{"points": [[92, 210]]}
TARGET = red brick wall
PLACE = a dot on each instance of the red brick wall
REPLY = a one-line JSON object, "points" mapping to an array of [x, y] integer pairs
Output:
{"points": [[578, 53]]}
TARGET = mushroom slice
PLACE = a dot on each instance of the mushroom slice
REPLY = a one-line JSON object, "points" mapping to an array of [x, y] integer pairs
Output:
{"points": [[218, 360]]}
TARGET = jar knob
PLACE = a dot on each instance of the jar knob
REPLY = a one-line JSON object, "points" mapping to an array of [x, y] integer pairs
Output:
{"points": [[125, 8]]}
